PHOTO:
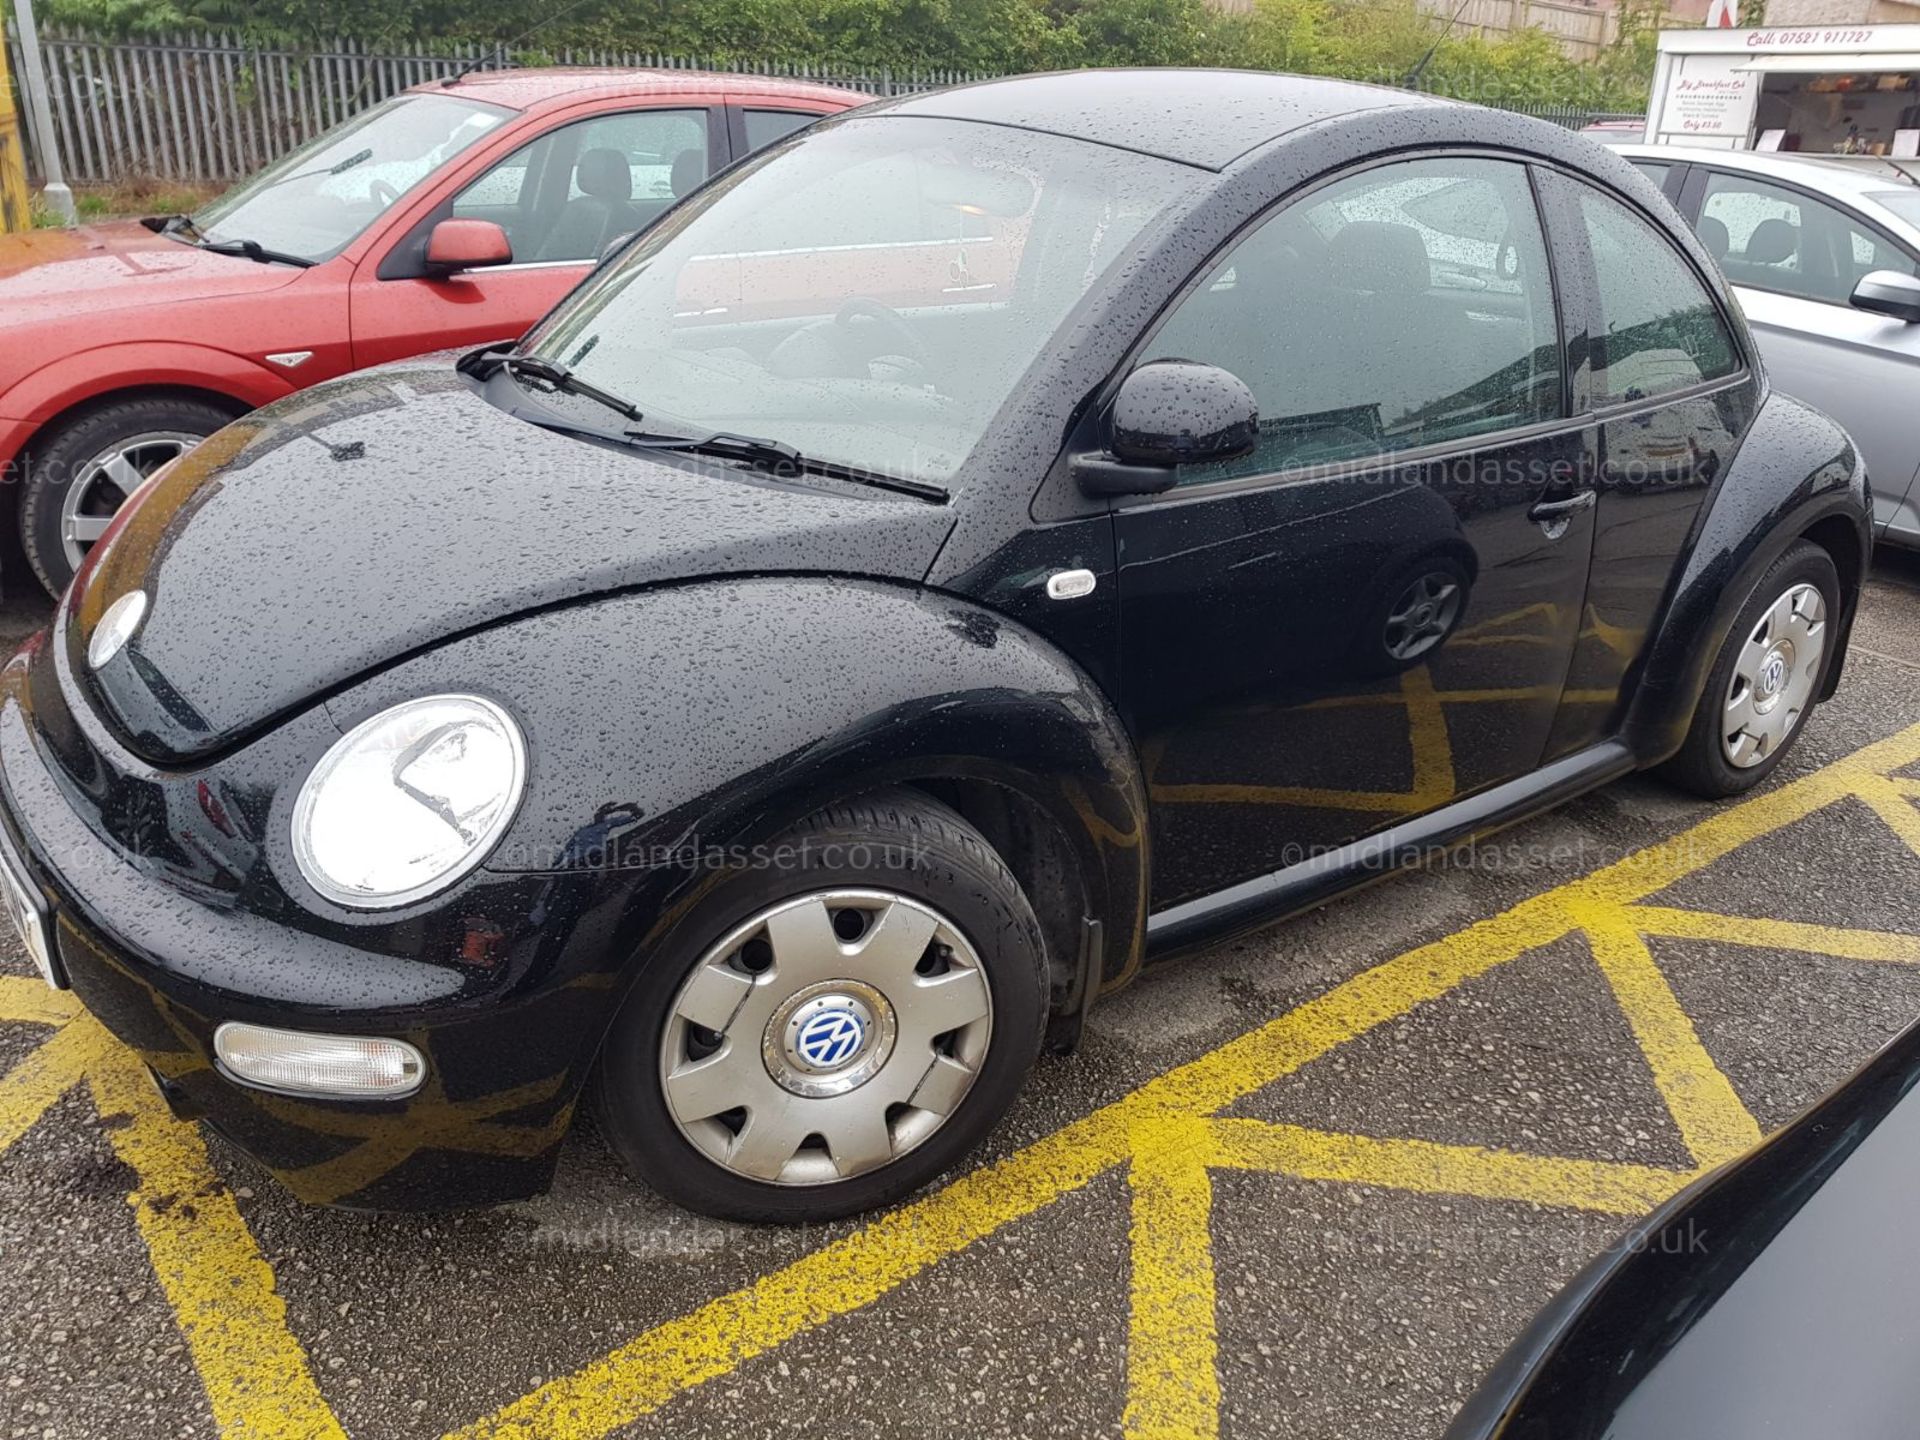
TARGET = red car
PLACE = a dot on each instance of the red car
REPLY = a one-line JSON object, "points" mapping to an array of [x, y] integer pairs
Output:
{"points": [[454, 214]]}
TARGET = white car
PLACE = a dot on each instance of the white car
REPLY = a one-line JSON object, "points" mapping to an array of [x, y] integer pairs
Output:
{"points": [[1824, 255]]}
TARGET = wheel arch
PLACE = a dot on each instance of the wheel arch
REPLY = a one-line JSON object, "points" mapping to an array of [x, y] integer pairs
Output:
{"points": [[112, 373], [1061, 882], [1796, 475], [745, 704], [79, 407], [1848, 546]]}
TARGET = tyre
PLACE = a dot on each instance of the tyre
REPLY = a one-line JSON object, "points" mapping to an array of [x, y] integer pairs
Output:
{"points": [[81, 471], [1764, 683], [826, 1034]]}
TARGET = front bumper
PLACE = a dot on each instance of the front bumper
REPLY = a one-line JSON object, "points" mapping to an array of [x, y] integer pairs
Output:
{"points": [[167, 925]]}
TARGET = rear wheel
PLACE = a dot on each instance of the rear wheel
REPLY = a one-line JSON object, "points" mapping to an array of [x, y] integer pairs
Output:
{"points": [[80, 473], [825, 1035], [1764, 683]]}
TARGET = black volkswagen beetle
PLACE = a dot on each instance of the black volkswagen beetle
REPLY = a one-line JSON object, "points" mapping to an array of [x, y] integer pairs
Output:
{"points": [[967, 550]]}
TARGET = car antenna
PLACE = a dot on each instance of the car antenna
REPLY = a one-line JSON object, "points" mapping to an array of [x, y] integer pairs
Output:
{"points": [[1412, 82], [499, 52]]}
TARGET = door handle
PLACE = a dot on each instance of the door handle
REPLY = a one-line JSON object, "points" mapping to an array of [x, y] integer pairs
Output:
{"points": [[1548, 512]]}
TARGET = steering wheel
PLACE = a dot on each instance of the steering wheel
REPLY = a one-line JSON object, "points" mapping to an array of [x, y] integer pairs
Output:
{"points": [[898, 337], [383, 192]]}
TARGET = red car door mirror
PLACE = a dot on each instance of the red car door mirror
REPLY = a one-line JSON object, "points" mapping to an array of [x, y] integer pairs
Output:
{"points": [[457, 245]]}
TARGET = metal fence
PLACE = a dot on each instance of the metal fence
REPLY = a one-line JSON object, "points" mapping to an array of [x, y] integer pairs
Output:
{"points": [[214, 108], [1574, 117]]}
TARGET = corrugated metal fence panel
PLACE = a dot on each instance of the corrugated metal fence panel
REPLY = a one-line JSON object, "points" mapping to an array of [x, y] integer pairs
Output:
{"points": [[206, 107], [212, 108]]}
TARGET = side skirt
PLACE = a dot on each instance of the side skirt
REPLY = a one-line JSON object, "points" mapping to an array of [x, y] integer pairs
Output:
{"points": [[1254, 904]]}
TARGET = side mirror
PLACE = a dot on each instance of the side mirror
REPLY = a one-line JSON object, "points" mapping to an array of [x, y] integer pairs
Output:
{"points": [[1168, 413], [458, 245], [1888, 292]]}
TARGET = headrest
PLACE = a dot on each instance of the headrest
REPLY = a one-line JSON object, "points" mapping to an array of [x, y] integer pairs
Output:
{"points": [[604, 175], [1380, 256], [1771, 242], [689, 169], [1713, 235]]}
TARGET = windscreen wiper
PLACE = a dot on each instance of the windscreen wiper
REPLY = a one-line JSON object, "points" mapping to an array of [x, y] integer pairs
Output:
{"points": [[780, 459], [560, 377], [253, 250], [172, 225], [771, 456]]}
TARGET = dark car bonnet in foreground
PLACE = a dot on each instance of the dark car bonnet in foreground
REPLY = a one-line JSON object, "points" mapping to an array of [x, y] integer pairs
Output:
{"points": [[1776, 1298]]}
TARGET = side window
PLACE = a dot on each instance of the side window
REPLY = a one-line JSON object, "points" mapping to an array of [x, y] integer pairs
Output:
{"points": [[1655, 170], [569, 194], [933, 217], [1660, 330], [1867, 250], [1780, 240], [766, 126], [500, 188], [1765, 239], [1407, 305]]}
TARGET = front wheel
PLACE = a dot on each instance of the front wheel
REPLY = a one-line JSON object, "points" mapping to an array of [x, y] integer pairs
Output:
{"points": [[1764, 683], [831, 1032]]}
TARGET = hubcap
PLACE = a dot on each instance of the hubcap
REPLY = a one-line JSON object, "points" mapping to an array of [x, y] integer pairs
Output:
{"points": [[1422, 617], [101, 486], [1773, 676], [826, 1036]]}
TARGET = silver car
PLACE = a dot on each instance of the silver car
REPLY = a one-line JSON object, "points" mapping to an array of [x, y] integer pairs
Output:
{"points": [[1824, 254]]}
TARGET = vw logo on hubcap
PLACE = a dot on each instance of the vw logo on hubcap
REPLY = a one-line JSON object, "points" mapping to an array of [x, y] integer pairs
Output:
{"points": [[1774, 674], [830, 1036]]}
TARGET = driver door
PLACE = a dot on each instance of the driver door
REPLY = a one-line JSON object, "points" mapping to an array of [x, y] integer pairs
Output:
{"points": [[557, 225], [1371, 615]]}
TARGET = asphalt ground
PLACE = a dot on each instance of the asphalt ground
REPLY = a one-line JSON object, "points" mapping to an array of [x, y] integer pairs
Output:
{"points": [[1308, 1184]]}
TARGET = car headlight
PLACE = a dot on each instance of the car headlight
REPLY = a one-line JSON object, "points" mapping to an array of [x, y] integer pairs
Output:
{"points": [[407, 802]]}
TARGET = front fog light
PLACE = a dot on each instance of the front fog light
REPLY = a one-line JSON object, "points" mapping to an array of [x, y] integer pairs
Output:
{"points": [[296, 1063]]}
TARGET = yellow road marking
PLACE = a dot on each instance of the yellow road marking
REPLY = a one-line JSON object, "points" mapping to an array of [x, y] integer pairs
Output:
{"points": [[1430, 1168], [219, 1285], [31, 1001], [842, 1277], [1831, 940], [1173, 1385], [1713, 1122], [29, 1089], [1890, 803]]}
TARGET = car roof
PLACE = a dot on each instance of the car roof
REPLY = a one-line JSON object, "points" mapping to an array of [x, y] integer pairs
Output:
{"points": [[1207, 118], [529, 89]]}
